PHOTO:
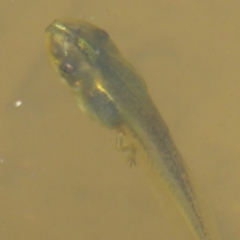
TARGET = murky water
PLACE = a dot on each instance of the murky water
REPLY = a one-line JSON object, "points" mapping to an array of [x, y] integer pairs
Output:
{"points": [[60, 175]]}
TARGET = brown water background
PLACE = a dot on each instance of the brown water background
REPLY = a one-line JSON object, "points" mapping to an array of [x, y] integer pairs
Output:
{"points": [[60, 175]]}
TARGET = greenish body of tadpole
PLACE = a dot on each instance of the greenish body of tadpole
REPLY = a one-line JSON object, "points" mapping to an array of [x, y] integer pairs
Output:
{"points": [[110, 90]]}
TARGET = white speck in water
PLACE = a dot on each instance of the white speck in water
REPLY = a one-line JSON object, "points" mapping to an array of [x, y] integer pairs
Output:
{"points": [[18, 103]]}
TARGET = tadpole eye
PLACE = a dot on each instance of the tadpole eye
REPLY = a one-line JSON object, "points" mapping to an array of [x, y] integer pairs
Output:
{"points": [[100, 34], [67, 68]]}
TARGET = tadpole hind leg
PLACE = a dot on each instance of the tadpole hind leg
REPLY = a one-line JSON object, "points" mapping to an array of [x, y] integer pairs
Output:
{"points": [[126, 147]]}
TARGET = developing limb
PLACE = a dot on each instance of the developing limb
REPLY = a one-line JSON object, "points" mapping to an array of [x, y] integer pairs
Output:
{"points": [[126, 147]]}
